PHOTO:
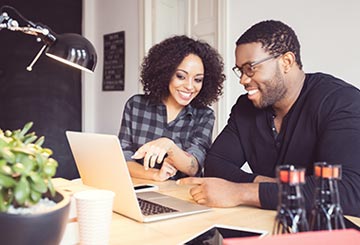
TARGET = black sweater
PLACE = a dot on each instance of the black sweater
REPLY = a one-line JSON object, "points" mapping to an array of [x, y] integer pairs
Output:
{"points": [[322, 125]]}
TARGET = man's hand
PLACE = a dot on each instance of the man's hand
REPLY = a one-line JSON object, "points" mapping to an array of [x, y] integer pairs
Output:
{"points": [[213, 192], [166, 171]]}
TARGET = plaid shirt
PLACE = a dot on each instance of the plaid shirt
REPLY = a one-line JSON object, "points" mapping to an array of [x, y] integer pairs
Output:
{"points": [[144, 121]]}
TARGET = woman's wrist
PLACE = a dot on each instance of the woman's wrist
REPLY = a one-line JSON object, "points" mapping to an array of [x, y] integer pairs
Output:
{"points": [[193, 166], [171, 151]]}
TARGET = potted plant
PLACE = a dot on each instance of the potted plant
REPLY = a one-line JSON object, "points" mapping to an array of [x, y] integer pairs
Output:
{"points": [[26, 169]]}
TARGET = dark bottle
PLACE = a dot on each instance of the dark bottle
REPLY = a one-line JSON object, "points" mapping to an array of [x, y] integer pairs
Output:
{"points": [[327, 213], [291, 214]]}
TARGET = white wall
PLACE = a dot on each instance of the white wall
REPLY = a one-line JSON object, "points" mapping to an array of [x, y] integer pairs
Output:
{"points": [[328, 32], [102, 110]]}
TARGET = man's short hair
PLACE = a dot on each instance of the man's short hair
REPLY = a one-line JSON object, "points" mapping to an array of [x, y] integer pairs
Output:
{"points": [[275, 37]]}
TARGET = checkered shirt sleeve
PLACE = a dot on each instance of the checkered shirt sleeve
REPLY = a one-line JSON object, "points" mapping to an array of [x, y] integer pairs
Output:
{"points": [[144, 121]]}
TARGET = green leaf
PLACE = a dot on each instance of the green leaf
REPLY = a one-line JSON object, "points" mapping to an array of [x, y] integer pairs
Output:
{"points": [[8, 133], [19, 168], [35, 196], [3, 206], [30, 139], [27, 160], [26, 128], [25, 150], [40, 141], [50, 167], [7, 154], [7, 195], [51, 187], [3, 141], [41, 160], [2, 162], [5, 169], [37, 183], [47, 152], [7, 181], [16, 134], [22, 191]]}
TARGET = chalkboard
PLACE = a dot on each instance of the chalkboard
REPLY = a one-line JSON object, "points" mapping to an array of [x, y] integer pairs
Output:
{"points": [[49, 95], [114, 61]]}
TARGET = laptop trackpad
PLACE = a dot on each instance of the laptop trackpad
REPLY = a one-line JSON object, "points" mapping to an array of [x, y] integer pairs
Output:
{"points": [[165, 200]]}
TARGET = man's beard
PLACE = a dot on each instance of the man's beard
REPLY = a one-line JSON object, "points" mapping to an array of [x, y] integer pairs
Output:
{"points": [[274, 90]]}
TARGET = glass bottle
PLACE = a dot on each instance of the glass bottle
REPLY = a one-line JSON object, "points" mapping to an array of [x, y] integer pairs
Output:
{"points": [[291, 213], [327, 213]]}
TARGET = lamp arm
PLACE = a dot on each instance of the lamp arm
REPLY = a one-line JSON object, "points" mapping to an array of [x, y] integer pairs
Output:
{"points": [[6, 22], [30, 30], [35, 30], [71, 49]]}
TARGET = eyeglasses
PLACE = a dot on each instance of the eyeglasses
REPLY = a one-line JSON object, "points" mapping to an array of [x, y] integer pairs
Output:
{"points": [[248, 68]]}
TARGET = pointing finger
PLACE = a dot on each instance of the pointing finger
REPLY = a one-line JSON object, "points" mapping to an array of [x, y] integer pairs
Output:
{"points": [[190, 181], [138, 154]]}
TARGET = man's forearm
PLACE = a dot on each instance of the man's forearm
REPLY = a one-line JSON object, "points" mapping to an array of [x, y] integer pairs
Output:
{"points": [[249, 194], [261, 179]]}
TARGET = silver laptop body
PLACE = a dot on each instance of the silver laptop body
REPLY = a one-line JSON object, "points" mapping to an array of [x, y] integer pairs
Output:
{"points": [[101, 164]]}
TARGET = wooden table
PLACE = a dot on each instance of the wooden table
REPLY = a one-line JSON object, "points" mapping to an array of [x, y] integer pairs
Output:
{"points": [[177, 230]]}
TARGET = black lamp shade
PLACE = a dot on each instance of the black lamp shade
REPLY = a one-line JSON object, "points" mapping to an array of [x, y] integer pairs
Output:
{"points": [[74, 50]]}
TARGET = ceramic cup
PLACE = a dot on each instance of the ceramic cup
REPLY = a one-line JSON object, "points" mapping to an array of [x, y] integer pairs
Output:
{"points": [[94, 214]]}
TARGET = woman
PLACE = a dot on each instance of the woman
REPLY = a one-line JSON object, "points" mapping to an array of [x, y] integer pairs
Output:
{"points": [[166, 132]]}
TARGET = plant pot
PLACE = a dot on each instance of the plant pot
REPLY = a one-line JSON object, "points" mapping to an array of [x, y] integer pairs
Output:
{"points": [[43, 228]]}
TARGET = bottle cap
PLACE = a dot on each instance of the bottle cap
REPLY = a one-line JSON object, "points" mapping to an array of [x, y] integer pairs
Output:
{"points": [[289, 174], [325, 170]]}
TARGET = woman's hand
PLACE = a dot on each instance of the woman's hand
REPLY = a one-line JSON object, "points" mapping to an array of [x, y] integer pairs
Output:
{"points": [[161, 149], [154, 152]]}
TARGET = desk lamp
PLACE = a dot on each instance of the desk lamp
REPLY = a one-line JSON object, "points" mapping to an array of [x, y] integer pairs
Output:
{"points": [[69, 48]]}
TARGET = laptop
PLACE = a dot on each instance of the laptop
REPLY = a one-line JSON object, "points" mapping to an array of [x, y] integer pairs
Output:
{"points": [[101, 164]]}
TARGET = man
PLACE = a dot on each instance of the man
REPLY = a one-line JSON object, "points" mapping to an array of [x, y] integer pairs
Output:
{"points": [[287, 117]]}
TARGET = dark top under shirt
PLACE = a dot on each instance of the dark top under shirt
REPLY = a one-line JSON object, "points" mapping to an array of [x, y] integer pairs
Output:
{"points": [[322, 125]]}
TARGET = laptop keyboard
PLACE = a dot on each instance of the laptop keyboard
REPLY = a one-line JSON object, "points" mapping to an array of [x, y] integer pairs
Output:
{"points": [[150, 208]]}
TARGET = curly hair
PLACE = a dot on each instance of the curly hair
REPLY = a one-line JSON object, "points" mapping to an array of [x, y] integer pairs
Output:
{"points": [[160, 64], [275, 37]]}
